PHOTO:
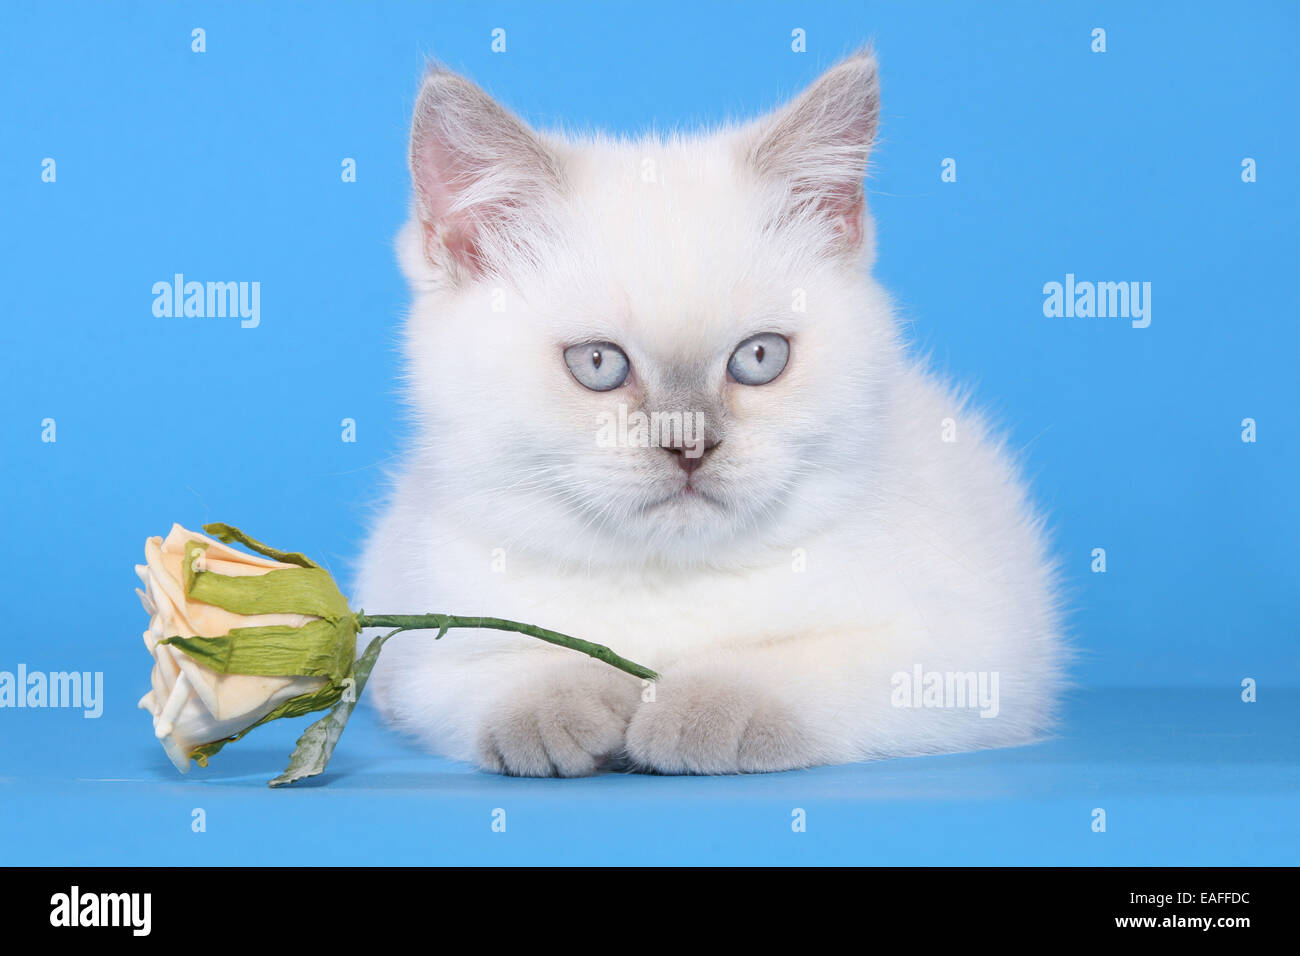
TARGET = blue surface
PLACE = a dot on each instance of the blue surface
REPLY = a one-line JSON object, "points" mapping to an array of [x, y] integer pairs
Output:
{"points": [[225, 166], [1186, 777]]}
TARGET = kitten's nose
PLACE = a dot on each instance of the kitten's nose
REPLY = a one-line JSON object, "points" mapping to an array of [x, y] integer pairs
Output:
{"points": [[690, 457]]}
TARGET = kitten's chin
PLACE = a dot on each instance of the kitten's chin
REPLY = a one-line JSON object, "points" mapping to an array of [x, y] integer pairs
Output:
{"points": [[687, 525]]}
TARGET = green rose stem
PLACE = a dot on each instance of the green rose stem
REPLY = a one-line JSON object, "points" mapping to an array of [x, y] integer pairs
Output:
{"points": [[410, 622], [316, 745]]}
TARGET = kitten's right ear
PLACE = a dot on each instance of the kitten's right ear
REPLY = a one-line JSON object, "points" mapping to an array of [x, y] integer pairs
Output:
{"points": [[478, 173]]}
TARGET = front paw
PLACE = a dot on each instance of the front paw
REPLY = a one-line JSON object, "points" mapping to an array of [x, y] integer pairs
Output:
{"points": [[705, 724], [566, 722]]}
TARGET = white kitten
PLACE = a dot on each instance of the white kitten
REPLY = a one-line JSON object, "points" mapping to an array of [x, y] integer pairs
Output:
{"points": [[792, 582]]}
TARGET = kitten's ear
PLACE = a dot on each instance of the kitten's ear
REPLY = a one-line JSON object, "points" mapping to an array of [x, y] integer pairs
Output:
{"points": [[479, 172], [817, 146]]}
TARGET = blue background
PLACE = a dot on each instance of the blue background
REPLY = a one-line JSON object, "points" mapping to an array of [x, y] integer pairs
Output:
{"points": [[225, 165]]}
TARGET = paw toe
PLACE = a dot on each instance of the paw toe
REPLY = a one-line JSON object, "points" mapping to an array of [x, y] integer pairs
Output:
{"points": [[557, 729], [706, 727]]}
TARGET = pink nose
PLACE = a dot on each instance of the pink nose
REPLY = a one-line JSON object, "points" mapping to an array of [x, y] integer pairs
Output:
{"points": [[688, 459]]}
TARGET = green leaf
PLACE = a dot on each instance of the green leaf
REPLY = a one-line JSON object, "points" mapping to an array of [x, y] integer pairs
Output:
{"points": [[284, 591], [229, 533], [316, 745], [319, 648], [327, 696]]}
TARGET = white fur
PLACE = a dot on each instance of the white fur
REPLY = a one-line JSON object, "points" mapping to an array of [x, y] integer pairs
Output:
{"points": [[918, 551]]}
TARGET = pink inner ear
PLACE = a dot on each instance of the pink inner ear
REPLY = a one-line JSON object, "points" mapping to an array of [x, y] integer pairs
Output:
{"points": [[450, 239], [844, 207], [438, 172], [850, 218]]}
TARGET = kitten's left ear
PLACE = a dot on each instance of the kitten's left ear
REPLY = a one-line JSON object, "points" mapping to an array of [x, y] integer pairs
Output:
{"points": [[817, 146]]}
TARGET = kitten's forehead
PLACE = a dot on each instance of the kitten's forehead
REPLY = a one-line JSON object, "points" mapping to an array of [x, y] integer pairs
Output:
{"points": [[659, 172], [670, 225]]}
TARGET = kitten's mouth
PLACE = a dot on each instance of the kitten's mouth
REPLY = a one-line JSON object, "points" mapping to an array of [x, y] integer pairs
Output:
{"points": [[686, 494]]}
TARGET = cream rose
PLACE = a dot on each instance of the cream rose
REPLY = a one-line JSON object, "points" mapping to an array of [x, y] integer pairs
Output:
{"points": [[192, 704], [240, 639]]}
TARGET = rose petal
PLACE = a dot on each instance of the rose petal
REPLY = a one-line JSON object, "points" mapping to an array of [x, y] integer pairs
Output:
{"points": [[217, 550]]}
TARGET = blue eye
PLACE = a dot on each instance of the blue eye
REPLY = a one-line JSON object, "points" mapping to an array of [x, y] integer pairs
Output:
{"points": [[599, 366], [759, 359]]}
